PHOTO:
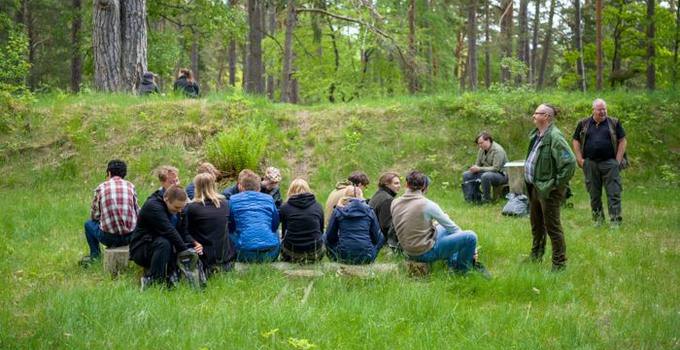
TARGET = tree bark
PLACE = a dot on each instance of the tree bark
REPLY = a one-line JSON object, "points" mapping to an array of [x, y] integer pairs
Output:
{"points": [[413, 78], [232, 52], [578, 43], [107, 46], [487, 42], [546, 45], [534, 41], [76, 54], [291, 19], [133, 37], [506, 34], [194, 54], [472, 44], [523, 38], [255, 78], [616, 57], [651, 49], [271, 26], [598, 43]]}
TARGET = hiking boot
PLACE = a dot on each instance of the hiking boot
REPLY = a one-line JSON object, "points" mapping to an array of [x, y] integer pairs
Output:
{"points": [[598, 218], [173, 280], [558, 268], [477, 266], [86, 261], [187, 261], [145, 283], [615, 224]]}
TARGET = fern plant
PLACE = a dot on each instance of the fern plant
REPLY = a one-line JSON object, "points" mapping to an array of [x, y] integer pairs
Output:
{"points": [[241, 147]]}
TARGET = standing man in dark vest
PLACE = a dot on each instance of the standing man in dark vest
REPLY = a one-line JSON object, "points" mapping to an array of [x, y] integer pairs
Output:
{"points": [[600, 147]]}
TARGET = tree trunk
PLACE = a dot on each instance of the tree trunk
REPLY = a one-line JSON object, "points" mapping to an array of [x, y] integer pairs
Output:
{"points": [[472, 44], [254, 79], [76, 54], [676, 46], [194, 54], [523, 37], [578, 43], [546, 45], [506, 35], [413, 79], [651, 49], [271, 16], [232, 52], [288, 53], [598, 43], [487, 42], [534, 41], [107, 45], [133, 37], [616, 57]]}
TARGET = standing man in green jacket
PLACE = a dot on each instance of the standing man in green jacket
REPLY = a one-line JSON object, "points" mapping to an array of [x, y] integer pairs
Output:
{"points": [[549, 166]]}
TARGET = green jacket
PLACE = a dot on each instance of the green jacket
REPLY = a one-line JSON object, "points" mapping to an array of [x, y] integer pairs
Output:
{"points": [[555, 161], [492, 160]]}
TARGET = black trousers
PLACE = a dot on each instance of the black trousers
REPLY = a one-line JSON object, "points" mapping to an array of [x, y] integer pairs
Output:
{"points": [[157, 257]]}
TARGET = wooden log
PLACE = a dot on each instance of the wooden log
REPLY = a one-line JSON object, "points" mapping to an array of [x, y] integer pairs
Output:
{"points": [[116, 259], [417, 269]]}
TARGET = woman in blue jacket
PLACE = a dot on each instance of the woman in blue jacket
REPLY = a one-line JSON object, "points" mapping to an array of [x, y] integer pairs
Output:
{"points": [[353, 234]]}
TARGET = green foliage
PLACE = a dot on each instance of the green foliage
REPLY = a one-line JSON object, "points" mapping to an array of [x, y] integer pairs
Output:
{"points": [[14, 65], [162, 53], [241, 147]]}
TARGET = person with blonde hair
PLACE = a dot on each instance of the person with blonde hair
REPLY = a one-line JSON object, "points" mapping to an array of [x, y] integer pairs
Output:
{"points": [[353, 234], [204, 167], [255, 221], [185, 83], [301, 225], [207, 221]]}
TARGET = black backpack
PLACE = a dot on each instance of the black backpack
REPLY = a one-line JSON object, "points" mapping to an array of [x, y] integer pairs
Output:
{"points": [[472, 192]]}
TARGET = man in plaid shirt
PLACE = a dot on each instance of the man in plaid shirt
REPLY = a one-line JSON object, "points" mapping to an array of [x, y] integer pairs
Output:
{"points": [[113, 214]]}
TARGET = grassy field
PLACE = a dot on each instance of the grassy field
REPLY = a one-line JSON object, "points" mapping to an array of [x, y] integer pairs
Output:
{"points": [[620, 290]]}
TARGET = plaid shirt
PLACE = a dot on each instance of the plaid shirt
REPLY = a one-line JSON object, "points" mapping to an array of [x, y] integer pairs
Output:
{"points": [[530, 163], [115, 206]]}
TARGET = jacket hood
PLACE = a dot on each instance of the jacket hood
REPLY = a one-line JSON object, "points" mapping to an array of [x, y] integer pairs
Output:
{"points": [[147, 81], [342, 184], [302, 200], [353, 207]]}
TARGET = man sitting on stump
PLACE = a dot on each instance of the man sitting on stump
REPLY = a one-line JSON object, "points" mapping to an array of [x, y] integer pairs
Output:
{"points": [[156, 242], [113, 214]]}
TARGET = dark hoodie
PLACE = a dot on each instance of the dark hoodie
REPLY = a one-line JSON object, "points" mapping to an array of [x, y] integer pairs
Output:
{"points": [[190, 89], [148, 86], [302, 223], [353, 232]]}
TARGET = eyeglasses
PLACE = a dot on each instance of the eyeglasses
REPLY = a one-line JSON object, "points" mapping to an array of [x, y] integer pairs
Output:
{"points": [[539, 113]]}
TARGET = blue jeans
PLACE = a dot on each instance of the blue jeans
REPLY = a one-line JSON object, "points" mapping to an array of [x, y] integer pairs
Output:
{"points": [[253, 256], [489, 178], [457, 249], [94, 235]]}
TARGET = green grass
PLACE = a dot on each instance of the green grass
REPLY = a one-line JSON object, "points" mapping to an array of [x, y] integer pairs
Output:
{"points": [[620, 289]]}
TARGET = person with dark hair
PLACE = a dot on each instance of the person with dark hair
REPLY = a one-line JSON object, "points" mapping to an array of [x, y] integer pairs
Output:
{"points": [[186, 84], [207, 221], [357, 179], [353, 234], [388, 187], [600, 148], [413, 218], [113, 213], [269, 184], [156, 243], [148, 85], [301, 225], [549, 166], [488, 167], [255, 221]]}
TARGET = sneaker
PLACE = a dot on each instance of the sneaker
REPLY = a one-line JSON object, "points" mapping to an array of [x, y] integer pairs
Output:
{"points": [[145, 283], [187, 261], [476, 265], [86, 261]]}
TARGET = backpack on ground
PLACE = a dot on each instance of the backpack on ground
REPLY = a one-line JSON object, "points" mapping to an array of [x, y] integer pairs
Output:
{"points": [[472, 192], [517, 205]]}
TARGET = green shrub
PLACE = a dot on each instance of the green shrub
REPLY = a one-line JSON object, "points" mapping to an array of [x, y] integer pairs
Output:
{"points": [[240, 148]]}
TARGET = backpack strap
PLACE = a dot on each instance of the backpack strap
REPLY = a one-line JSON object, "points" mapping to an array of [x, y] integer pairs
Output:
{"points": [[613, 123], [585, 123]]}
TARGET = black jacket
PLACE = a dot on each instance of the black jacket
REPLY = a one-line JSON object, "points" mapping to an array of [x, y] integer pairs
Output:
{"points": [[189, 89], [148, 87], [381, 203], [302, 223], [154, 221], [209, 225]]}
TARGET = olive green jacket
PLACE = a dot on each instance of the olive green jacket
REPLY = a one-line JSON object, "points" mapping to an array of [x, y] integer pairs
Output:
{"points": [[555, 161], [492, 160]]}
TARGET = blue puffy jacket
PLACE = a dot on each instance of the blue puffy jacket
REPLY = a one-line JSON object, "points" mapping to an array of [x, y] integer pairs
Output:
{"points": [[255, 221], [353, 232]]}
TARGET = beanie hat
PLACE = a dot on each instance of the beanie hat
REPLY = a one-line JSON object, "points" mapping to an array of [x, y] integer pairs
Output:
{"points": [[273, 174]]}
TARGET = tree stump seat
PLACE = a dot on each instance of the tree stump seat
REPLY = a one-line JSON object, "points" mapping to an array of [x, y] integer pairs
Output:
{"points": [[417, 269], [500, 191], [116, 259]]}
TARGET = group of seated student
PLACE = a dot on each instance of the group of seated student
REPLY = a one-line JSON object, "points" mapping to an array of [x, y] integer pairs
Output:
{"points": [[172, 238]]}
